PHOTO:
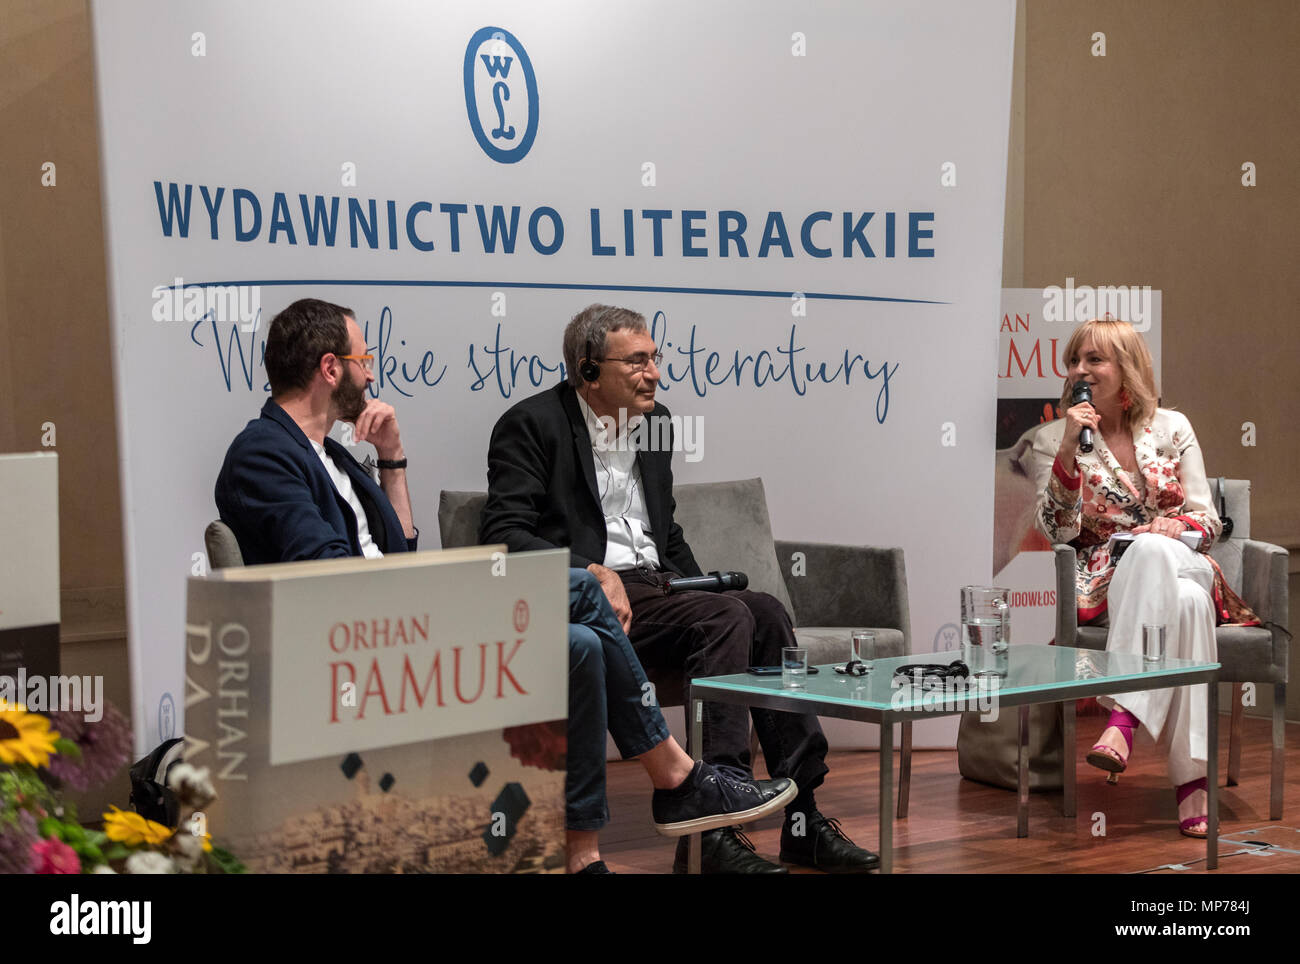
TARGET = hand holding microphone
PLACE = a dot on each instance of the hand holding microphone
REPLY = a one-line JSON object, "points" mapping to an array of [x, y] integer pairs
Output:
{"points": [[1081, 419], [1083, 394]]}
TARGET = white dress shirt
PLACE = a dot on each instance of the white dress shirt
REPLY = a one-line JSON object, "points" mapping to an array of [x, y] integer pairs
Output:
{"points": [[344, 484], [629, 541]]}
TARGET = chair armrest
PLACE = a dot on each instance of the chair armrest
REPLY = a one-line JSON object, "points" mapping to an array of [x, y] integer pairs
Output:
{"points": [[222, 546], [1263, 580], [840, 585], [458, 517], [1067, 604]]}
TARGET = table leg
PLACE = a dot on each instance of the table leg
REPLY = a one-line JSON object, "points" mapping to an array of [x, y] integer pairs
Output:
{"points": [[695, 848], [1235, 692], [1069, 761], [1278, 759], [885, 810], [905, 770], [1022, 776], [1212, 775]]}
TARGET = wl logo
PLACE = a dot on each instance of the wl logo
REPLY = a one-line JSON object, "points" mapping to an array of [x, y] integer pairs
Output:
{"points": [[500, 94]]}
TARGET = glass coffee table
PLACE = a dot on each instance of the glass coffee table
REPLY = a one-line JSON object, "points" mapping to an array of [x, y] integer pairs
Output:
{"points": [[1034, 674]]}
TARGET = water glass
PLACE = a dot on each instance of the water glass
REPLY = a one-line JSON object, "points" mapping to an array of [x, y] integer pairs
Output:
{"points": [[794, 668], [985, 629], [862, 648], [1153, 643]]}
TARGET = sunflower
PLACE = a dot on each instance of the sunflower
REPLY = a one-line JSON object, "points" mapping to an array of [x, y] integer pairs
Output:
{"points": [[133, 830], [25, 737]]}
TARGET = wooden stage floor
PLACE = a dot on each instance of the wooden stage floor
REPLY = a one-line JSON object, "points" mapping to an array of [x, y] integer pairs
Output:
{"points": [[958, 826]]}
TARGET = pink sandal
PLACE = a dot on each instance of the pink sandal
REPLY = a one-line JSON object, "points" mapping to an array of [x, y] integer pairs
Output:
{"points": [[1106, 758], [1184, 826]]}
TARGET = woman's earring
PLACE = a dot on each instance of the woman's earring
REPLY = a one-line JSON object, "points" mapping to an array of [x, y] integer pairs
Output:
{"points": [[1125, 402]]}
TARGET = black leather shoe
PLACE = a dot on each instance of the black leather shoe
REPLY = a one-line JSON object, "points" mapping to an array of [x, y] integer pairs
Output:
{"points": [[825, 846], [726, 851], [776, 789], [713, 797], [595, 867]]}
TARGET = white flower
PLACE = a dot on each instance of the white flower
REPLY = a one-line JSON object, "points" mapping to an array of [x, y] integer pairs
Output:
{"points": [[103, 869], [189, 850], [192, 785], [149, 862]]}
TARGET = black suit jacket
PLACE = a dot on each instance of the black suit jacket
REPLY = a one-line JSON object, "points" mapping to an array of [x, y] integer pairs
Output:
{"points": [[542, 485]]}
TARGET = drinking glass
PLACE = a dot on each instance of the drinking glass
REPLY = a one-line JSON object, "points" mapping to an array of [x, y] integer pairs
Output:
{"points": [[985, 629], [862, 647], [1153, 643], [794, 668]]}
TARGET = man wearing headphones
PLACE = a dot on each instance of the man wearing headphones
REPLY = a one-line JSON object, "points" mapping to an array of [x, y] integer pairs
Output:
{"points": [[564, 470]]}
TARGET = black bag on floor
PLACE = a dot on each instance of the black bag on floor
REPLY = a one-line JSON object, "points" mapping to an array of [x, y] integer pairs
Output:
{"points": [[149, 794]]}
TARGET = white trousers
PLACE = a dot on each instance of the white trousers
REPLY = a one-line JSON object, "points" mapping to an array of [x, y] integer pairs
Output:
{"points": [[1160, 581]]}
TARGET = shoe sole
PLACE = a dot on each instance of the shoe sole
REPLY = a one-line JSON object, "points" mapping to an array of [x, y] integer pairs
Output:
{"points": [[1103, 761], [801, 862], [779, 871], [700, 824]]}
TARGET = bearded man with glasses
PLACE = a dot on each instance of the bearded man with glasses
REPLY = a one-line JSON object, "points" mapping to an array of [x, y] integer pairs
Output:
{"points": [[286, 489]]}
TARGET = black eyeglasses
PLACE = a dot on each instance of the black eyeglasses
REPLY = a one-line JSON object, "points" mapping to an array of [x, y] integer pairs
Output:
{"points": [[640, 361]]}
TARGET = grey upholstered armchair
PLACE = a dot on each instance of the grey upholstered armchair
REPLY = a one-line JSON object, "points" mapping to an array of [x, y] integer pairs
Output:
{"points": [[1257, 571], [827, 589]]}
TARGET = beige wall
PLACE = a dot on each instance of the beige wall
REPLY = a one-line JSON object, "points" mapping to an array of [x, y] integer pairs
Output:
{"points": [[55, 354], [1132, 174], [1124, 169]]}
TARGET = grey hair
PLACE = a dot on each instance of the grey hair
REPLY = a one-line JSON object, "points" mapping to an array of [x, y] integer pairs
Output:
{"points": [[589, 327]]}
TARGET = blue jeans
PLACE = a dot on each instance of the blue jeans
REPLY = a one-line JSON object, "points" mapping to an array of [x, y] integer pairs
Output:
{"points": [[607, 690]]}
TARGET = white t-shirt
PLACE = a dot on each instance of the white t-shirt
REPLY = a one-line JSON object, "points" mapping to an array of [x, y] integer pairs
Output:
{"points": [[629, 542], [343, 483]]}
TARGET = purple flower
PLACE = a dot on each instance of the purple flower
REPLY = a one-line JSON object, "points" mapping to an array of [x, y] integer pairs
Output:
{"points": [[16, 842], [104, 745]]}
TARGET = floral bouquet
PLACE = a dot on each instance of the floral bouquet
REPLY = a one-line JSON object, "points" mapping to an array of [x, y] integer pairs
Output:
{"points": [[42, 754]]}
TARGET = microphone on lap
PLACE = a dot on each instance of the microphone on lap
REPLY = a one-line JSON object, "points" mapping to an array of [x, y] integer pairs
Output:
{"points": [[713, 582], [1083, 393]]}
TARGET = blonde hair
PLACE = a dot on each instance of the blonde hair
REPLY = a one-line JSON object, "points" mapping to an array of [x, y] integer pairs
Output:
{"points": [[1118, 341]]}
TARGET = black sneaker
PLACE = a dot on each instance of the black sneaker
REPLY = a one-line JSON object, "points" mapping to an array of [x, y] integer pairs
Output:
{"points": [[711, 798], [825, 846], [595, 867], [726, 851]]}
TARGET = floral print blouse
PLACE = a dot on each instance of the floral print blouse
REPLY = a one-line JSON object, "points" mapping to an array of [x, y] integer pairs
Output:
{"points": [[1102, 498]]}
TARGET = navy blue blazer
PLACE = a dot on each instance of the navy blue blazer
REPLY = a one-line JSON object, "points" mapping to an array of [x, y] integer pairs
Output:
{"points": [[282, 505]]}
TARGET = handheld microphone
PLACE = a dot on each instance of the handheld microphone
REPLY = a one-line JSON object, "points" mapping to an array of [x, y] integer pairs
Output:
{"points": [[1083, 393], [713, 582]]}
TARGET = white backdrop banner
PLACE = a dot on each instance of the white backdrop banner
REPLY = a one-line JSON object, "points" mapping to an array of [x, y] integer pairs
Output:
{"points": [[805, 199]]}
